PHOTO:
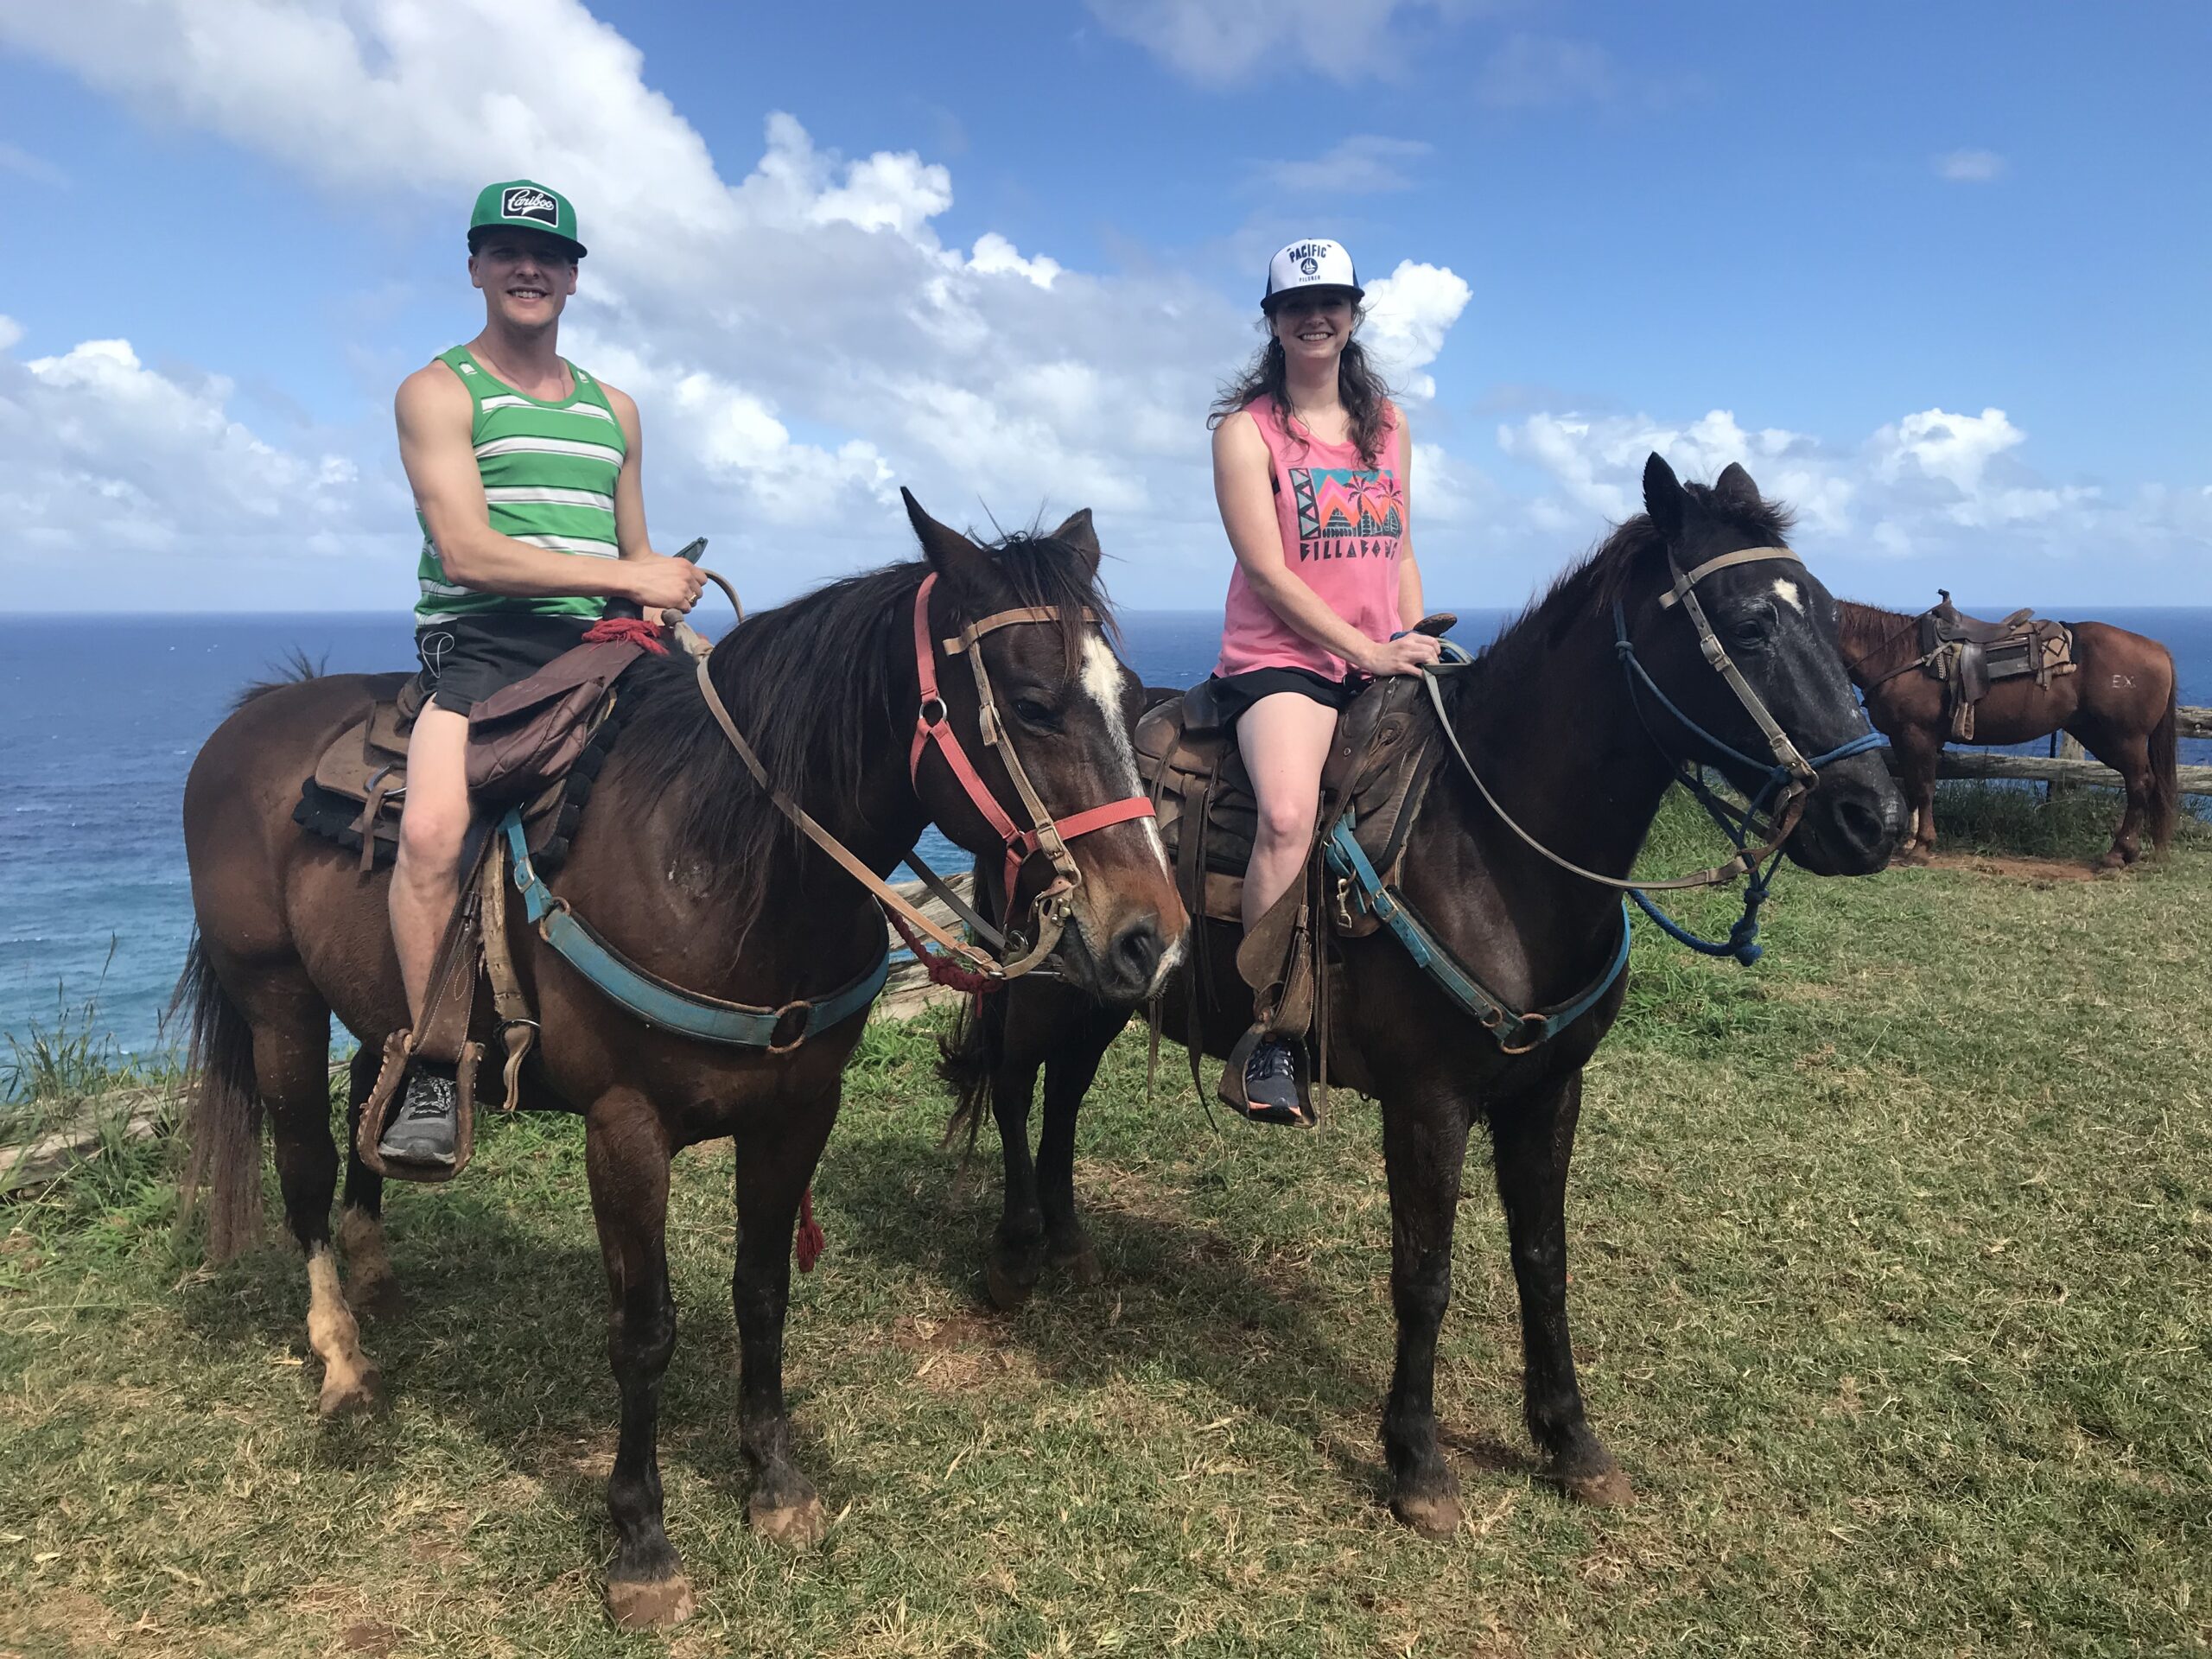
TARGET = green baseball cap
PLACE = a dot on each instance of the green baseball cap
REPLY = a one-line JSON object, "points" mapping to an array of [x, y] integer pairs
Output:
{"points": [[527, 205]]}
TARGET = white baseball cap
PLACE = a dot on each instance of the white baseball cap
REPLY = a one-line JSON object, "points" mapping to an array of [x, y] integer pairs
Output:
{"points": [[1314, 262]]}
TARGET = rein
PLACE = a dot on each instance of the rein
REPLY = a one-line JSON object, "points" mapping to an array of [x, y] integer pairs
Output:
{"points": [[1049, 909], [1781, 797], [1852, 664]]}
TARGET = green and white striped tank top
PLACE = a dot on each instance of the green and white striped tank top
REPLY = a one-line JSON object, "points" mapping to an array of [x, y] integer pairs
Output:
{"points": [[549, 471]]}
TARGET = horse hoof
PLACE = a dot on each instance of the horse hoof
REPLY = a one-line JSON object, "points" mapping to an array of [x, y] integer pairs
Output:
{"points": [[1082, 1267], [795, 1526], [357, 1394], [645, 1603], [1609, 1489], [1436, 1516], [1007, 1292]]}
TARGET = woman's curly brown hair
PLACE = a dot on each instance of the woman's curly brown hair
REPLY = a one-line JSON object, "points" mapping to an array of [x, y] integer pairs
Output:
{"points": [[1365, 395]]}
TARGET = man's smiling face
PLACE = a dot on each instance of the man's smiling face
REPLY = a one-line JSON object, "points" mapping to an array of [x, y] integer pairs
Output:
{"points": [[526, 276]]}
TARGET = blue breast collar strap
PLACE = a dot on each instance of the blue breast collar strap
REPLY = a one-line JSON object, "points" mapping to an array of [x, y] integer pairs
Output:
{"points": [[671, 1008], [1516, 1032]]}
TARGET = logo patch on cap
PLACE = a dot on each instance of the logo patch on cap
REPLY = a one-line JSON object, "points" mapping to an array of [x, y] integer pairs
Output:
{"points": [[1309, 265], [526, 201]]}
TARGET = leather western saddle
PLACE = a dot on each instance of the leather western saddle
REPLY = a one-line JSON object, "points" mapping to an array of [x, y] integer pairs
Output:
{"points": [[1381, 763], [537, 746], [359, 787], [1968, 655]]}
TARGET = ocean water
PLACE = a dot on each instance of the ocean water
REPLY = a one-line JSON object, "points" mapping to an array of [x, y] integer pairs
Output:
{"points": [[102, 715]]}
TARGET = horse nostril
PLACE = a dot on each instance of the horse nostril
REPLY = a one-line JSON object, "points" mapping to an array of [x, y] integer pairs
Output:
{"points": [[1864, 827], [1136, 951]]}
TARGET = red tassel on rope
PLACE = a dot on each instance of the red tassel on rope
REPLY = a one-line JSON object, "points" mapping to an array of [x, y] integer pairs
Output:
{"points": [[626, 631], [942, 969], [807, 1243]]}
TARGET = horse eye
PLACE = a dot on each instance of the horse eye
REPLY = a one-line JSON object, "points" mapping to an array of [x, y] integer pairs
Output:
{"points": [[1750, 632], [1034, 713]]}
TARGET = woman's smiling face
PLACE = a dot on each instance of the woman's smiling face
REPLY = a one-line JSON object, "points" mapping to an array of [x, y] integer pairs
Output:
{"points": [[1313, 326]]}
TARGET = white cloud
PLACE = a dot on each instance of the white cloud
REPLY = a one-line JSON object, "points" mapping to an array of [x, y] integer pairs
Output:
{"points": [[1970, 166], [1531, 70], [800, 337], [1409, 314], [1361, 165], [10, 332], [112, 461], [1220, 42], [1932, 485]]}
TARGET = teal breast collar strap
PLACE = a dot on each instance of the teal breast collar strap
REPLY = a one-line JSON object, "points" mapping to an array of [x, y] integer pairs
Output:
{"points": [[671, 1008], [1516, 1032]]}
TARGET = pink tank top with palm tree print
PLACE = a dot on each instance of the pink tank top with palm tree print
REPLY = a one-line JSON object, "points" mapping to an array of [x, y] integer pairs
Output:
{"points": [[1342, 523]]}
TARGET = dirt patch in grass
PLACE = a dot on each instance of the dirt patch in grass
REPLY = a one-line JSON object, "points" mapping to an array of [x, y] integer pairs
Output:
{"points": [[2009, 869]]}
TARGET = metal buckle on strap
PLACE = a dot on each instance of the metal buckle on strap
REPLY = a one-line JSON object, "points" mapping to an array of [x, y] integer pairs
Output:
{"points": [[804, 1005]]}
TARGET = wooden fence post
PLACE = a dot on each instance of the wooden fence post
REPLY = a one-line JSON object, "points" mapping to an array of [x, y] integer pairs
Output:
{"points": [[2064, 746]]}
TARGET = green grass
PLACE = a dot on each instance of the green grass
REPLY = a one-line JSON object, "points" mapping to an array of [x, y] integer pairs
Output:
{"points": [[1890, 1265], [60, 1071]]}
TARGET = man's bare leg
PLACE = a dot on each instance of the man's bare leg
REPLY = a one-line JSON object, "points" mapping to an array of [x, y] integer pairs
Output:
{"points": [[425, 883]]}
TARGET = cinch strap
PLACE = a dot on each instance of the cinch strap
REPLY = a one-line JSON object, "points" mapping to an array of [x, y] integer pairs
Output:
{"points": [[671, 1008]]}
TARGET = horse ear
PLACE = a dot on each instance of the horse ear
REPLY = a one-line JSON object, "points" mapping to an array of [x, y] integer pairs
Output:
{"points": [[1735, 485], [1078, 534], [1664, 498], [951, 554]]}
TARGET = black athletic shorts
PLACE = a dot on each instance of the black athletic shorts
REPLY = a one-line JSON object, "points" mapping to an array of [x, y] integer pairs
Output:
{"points": [[465, 660], [1233, 694]]}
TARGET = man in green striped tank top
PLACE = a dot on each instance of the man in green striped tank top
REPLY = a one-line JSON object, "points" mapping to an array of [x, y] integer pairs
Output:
{"points": [[525, 475]]}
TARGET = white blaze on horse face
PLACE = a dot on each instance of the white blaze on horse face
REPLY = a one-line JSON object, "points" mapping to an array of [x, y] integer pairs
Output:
{"points": [[1104, 678], [1787, 592]]}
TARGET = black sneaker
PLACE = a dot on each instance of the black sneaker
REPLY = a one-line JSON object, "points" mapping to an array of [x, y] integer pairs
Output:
{"points": [[425, 1128], [1271, 1085]]}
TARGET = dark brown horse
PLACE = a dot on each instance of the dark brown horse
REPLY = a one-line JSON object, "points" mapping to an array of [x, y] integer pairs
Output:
{"points": [[2118, 702], [1582, 761], [683, 863]]}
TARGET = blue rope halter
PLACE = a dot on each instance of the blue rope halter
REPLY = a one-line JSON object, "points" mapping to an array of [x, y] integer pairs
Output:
{"points": [[1738, 823]]}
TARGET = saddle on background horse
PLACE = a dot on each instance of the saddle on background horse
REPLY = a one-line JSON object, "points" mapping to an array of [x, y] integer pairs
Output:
{"points": [[1379, 768], [1968, 655]]}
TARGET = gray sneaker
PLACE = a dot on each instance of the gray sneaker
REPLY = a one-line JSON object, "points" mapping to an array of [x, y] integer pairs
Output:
{"points": [[424, 1129], [1271, 1085]]}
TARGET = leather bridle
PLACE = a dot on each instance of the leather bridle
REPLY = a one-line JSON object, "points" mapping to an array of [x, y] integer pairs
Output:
{"points": [[1049, 909], [1046, 835], [1790, 776]]}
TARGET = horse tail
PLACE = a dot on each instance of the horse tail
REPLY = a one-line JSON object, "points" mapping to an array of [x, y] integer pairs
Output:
{"points": [[223, 1122], [2165, 782], [967, 1056]]}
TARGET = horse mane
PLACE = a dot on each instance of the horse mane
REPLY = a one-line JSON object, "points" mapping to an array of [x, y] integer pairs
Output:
{"points": [[807, 683], [295, 667], [1585, 591]]}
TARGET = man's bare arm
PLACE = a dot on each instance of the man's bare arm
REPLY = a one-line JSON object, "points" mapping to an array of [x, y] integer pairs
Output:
{"points": [[434, 412]]}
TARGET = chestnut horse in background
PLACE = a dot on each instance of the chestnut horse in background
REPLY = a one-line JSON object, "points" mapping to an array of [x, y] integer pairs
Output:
{"points": [[685, 866], [2118, 702]]}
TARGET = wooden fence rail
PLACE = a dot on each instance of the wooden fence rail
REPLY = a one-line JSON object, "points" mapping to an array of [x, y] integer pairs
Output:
{"points": [[2066, 768]]}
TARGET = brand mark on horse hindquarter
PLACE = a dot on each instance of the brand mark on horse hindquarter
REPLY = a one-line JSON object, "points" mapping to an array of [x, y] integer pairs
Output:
{"points": [[2123, 681]]}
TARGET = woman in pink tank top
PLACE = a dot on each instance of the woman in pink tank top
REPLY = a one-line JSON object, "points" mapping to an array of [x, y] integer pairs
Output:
{"points": [[1312, 469]]}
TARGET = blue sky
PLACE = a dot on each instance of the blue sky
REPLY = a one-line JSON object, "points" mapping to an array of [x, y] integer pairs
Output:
{"points": [[1935, 274]]}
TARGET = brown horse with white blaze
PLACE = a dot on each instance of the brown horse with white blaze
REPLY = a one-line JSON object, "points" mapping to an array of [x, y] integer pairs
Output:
{"points": [[2120, 702], [683, 864]]}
